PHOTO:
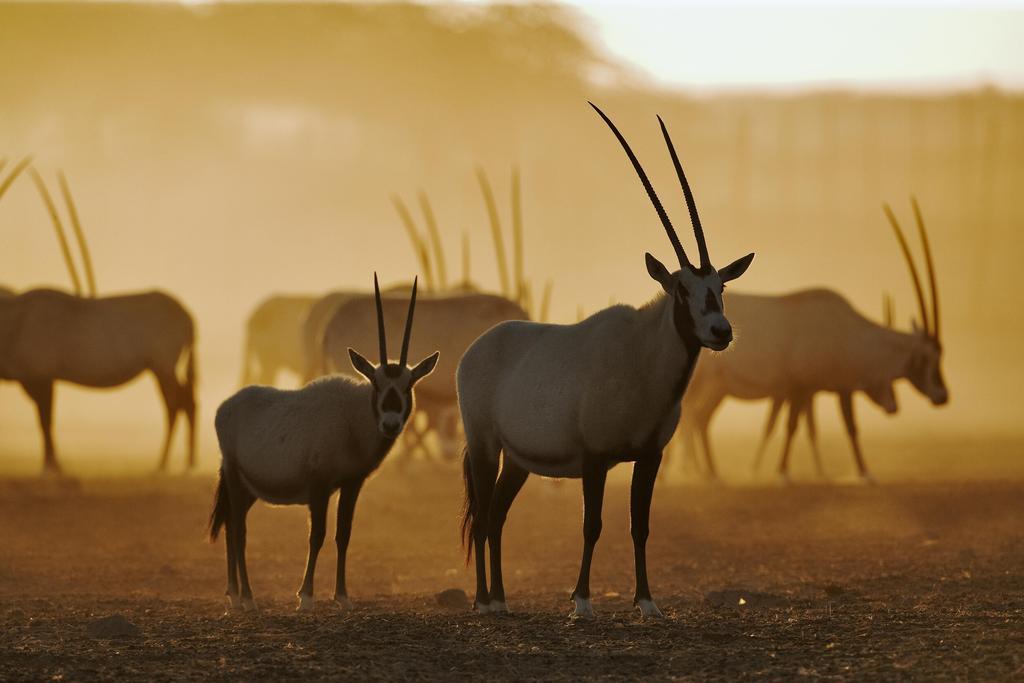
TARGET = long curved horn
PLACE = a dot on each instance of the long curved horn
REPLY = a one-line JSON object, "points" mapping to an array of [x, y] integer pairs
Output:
{"points": [[408, 325], [698, 229], [435, 240], [910, 263], [13, 175], [418, 245], [887, 309], [499, 242], [61, 237], [76, 225], [669, 230], [931, 266], [517, 233], [382, 338]]}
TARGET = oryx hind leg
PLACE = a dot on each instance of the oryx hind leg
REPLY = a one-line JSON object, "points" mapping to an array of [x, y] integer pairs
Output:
{"points": [[510, 482], [240, 500], [482, 471], [41, 393]]}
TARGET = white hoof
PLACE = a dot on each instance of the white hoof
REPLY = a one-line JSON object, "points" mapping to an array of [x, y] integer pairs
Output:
{"points": [[583, 610], [482, 607], [305, 603], [234, 602], [249, 605], [343, 602], [648, 610], [497, 607]]}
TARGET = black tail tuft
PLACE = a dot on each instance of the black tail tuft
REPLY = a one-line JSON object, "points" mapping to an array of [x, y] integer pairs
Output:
{"points": [[219, 514], [467, 506]]}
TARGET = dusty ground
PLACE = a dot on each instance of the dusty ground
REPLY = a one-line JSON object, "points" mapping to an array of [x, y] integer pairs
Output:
{"points": [[900, 581]]}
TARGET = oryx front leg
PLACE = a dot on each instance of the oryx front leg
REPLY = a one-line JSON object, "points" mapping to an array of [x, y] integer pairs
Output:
{"points": [[595, 471], [317, 531], [346, 510], [645, 472]]}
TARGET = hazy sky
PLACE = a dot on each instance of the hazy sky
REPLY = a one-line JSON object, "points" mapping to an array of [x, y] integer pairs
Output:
{"points": [[730, 44]]}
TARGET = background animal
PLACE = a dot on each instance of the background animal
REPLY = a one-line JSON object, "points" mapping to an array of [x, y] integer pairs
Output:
{"points": [[273, 338], [796, 345], [48, 335]]}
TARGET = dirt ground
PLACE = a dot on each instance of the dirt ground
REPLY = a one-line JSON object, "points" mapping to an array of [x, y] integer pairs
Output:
{"points": [[898, 581]]}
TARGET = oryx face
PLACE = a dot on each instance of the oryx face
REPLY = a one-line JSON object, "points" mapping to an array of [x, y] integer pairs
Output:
{"points": [[695, 290], [925, 369], [392, 382], [392, 389], [698, 308], [924, 366]]}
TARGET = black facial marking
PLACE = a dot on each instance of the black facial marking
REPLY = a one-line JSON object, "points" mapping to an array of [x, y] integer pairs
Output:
{"points": [[684, 323], [711, 303], [392, 401], [393, 370]]}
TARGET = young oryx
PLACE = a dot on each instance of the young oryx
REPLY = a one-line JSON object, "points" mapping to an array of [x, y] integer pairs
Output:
{"points": [[299, 447], [574, 400]]}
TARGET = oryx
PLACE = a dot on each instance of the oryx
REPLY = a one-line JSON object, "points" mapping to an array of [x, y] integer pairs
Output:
{"points": [[796, 345], [299, 447], [273, 338], [574, 400], [48, 335]]}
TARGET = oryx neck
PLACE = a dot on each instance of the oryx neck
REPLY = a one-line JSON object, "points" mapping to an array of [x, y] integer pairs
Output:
{"points": [[672, 348]]}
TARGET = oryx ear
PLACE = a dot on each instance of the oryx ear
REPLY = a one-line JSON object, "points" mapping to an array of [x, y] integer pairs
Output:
{"points": [[425, 366], [658, 272], [736, 268], [362, 366]]}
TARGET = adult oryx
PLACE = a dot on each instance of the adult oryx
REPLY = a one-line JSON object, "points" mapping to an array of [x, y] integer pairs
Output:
{"points": [[574, 400], [47, 335], [299, 447], [796, 345]]}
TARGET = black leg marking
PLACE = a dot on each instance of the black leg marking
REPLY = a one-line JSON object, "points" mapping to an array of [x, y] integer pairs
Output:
{"points": [[318, 499], [484, 472], [510, 481], [595, 471], [645, 472], [346, 510]]}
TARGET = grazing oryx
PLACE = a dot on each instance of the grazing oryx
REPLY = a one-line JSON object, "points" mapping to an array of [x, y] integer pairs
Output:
{"points": [[299, 447], [796, 345], [273, 339], [47, 335], [449, 323], [574, 400]]}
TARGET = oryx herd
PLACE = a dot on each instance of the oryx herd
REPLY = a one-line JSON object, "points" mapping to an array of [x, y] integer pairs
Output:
{"points": [[528, 396]]}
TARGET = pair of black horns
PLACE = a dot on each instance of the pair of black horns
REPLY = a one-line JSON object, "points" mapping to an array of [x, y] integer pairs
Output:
{"points": [[698, 230], [382, 334], [930, 324]]}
